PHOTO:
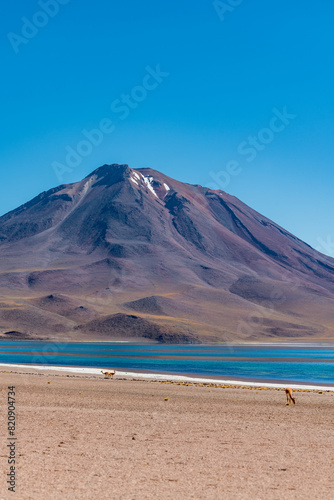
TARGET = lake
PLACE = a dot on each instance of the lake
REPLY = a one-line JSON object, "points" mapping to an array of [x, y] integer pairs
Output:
{"points": [[303, 363]]}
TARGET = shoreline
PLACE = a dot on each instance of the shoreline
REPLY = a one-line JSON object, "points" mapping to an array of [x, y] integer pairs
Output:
{"points": [[312, 343], [174, 378]]}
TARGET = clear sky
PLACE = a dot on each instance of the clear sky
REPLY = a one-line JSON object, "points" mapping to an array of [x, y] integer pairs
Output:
{"points": [[236, 94]]}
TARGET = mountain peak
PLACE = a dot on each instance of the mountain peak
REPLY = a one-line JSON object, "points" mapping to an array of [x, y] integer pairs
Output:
{"points": [[146, 179], [109, 174]]}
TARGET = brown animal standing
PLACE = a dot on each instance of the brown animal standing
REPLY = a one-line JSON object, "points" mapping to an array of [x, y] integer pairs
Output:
{"points": [[108, 374], [289, 397]]}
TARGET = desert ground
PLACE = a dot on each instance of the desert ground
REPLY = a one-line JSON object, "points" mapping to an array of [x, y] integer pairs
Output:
{"points": [[84, 437]]}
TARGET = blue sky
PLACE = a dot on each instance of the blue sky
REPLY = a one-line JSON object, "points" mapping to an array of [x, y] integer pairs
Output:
{"points": [[222, 75]]}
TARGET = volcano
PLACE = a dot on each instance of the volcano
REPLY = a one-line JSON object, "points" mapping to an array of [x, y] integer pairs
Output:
{"points": [[134, 254]]}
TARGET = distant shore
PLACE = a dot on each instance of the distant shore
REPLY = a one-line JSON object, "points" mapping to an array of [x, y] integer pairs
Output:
{"points": [[221, 381], [283, 342]]}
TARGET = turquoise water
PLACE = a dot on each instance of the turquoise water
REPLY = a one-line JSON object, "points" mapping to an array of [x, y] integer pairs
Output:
{"points": [[292, 363]]}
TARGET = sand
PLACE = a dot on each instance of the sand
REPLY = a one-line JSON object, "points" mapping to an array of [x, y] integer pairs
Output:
{"points": [[80, 436]]}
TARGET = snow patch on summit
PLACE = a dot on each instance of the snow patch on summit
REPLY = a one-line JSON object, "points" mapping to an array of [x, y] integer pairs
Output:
{"points": [[148, 181], [136, 177]]}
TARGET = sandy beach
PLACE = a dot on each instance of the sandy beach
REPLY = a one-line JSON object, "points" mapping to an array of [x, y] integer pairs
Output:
{"points": [[80, 436]]}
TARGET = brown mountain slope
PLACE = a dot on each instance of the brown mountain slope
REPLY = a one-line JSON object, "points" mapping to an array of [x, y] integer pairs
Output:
{"points": [[187, 259]]}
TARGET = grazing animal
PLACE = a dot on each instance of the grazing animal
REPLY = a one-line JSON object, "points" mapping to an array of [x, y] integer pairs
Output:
{"points": [[289, 397], [108, 374]]}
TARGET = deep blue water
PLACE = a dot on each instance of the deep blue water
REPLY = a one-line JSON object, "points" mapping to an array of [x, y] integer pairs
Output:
{"points": [[294, 363]]}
